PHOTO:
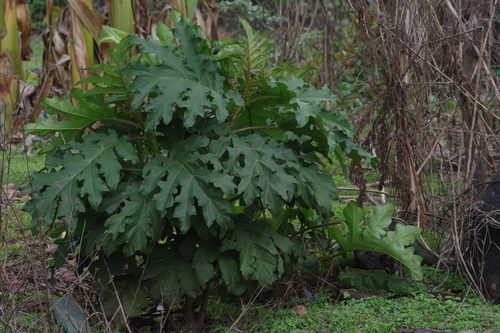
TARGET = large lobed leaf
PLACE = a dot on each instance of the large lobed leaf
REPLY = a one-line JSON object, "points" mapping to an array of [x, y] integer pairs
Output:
{"points": [[260, 248], [373, 236], [168, 275], [260, 163], [267, 169], [186, 182], [255, 50], [184, 79], [112, 82], [134, 222], [83, 115], [78, 172]]}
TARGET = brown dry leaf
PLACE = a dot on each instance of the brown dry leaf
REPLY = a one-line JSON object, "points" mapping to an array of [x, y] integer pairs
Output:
{"points": [[55, 56], [200, 21], [177, 5], [24, 28], [28, 99], [208, 25], [212, 18], [87, 16], [142, 18], [10, 193], [79, 49], [9, 89], [37, 305], [46, 87], [301, 310]]}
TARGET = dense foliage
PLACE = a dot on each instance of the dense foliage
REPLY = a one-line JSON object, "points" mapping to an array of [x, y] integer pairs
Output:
{"points": [[205, 164]]}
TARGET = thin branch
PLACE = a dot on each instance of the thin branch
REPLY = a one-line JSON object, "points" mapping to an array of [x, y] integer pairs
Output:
{"points": [[315, 227], [357, 189]]}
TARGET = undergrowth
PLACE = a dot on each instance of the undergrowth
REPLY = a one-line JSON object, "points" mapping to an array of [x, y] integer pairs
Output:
{"points": [[376, 314], [419, 307]]}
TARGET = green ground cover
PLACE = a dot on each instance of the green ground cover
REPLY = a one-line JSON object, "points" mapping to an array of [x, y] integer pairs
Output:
{"points": [[417, 308]]}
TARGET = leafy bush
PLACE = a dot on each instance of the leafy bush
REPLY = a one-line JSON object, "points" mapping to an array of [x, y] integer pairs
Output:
{"points": [[202, 166]]}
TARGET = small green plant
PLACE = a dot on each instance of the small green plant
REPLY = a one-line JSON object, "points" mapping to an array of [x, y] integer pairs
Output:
{"points": [[205, 159], [360, 232]]}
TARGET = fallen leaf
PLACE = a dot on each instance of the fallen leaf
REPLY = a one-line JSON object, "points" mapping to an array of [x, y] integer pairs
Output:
{"points": [[301, 310]]}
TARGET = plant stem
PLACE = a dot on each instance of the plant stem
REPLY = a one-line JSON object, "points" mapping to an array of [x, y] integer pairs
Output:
{"points": [[173, 324], [203, 307], [260, 98], [124, 121], [253, 128]]}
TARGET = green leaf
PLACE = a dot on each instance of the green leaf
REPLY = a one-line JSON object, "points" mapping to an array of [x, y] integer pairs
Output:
{"points": [[124, 297], [311, 102], [78, 171], [372, 236], [99, 154], [352, 150], [164, 34], [334, 120], [256, 50], [203, 261], [168, 274], [186, 182], [380, 220], [185, 79], [294, 106], [70, 315], [259, 248], [82, 116], [135, 223], [231, 274], [316, 189], [263, 173], [111, 35]]}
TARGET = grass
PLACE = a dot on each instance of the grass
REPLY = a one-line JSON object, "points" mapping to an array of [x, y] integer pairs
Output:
{"points": [[376, 314], [34, 65], [415, 309], [37, 48], [17, 166]]}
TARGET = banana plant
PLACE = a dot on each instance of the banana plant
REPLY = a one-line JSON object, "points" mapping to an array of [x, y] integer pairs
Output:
{"points": [[15, 22]]}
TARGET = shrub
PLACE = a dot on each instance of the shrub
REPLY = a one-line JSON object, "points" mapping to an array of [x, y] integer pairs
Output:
{"points": [[202, 166]]}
